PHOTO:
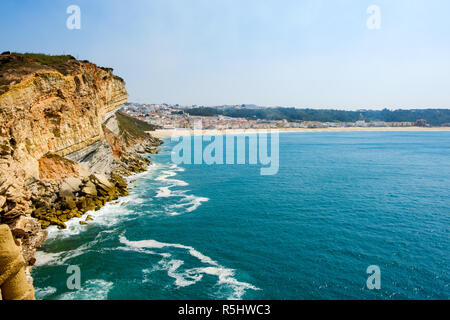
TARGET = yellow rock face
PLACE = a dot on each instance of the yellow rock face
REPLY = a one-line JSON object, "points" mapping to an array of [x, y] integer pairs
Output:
{"points": [[52, 117], [13, 281], [45, 111]]}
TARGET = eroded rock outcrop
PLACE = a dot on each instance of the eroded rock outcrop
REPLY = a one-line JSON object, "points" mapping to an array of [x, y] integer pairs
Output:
{"points": [[13, 281], [64, 149]]}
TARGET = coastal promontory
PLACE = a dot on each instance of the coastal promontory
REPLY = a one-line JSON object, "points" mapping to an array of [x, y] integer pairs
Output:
{"points": [[64, 146]]}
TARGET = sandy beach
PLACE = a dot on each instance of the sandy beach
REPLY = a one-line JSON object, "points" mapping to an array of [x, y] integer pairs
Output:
{"points": [[166, 133]]}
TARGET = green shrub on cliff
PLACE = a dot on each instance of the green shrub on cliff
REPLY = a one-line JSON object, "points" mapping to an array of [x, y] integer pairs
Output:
{"points": [[47, 59], [62, 63], [132, 128]]}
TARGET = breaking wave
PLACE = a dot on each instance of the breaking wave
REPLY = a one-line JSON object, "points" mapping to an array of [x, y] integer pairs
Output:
{"points": [[91, 290], [61, 258], [187, 203], [42, 293], [188, 276]]}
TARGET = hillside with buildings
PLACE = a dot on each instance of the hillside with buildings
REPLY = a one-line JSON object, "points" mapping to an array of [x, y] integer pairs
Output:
{"points": [[168, 116]]}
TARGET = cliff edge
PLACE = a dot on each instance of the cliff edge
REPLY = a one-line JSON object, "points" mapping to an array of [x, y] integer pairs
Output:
{"points": [[64, 147]]}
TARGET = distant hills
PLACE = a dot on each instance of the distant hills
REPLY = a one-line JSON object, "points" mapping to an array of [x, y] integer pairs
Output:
{"points": [[434, 117]]}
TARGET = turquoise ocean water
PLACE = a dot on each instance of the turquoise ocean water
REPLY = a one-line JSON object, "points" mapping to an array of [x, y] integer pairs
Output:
{"points": [[339, 203]]}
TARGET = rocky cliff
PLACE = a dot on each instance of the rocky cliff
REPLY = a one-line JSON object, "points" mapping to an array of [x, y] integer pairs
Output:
{"points": [[64, 149]]}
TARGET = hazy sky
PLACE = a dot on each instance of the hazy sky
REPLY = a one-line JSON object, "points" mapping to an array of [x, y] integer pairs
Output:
{"points": [[309, 53]]}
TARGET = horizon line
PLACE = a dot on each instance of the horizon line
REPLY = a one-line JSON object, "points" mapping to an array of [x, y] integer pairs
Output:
{"points": [[295, 107]]}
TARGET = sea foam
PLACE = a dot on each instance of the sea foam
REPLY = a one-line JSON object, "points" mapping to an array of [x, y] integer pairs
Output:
{"points": [[42, 293], [225, 276], [91, 290], [187, 203]]}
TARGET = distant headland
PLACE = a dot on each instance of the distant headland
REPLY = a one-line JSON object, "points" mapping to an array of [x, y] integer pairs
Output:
{"points": [[168, 117]]}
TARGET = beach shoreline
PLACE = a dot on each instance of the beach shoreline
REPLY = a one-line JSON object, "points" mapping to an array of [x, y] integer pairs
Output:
{"points": [[166, 133]]}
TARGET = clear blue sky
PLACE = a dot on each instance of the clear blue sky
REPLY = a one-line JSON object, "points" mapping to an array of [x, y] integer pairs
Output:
{"points": [[303, 53]]}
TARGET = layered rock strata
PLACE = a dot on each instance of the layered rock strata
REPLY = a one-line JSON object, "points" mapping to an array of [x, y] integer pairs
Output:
{"points": [[64, 148]]}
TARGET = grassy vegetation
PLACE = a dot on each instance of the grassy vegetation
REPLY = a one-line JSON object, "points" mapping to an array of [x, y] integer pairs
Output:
{"points": [[14, 66], [47, 59], [133, 129], [63, 63]]}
